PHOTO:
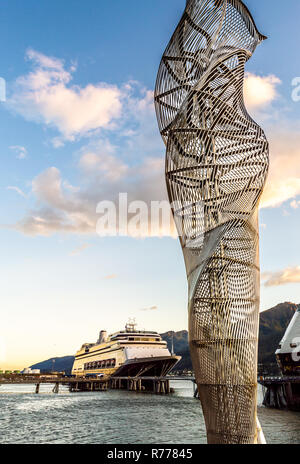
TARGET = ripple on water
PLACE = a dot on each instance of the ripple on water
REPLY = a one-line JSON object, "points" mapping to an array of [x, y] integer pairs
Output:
{"points": [[118, 417]]}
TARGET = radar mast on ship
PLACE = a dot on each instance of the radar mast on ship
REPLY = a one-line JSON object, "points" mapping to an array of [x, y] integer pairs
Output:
{"points": [[131, 326]]}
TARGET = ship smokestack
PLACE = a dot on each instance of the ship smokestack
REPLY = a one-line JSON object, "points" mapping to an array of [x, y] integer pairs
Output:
{"points": [[102, 337]]}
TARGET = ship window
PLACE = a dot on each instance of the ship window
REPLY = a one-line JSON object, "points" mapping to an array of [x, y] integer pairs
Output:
{"points": [[294, 345], [131, 339]]}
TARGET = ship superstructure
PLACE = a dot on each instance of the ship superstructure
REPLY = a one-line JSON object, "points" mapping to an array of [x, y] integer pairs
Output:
{"points": [[129, 352], [288, 353]]}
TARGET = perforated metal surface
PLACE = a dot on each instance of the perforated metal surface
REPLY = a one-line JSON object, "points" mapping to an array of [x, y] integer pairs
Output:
{"points": [[216, 168]]}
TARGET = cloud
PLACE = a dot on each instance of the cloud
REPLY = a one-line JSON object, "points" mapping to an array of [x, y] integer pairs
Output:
{"points": [[46, 95], [260, 91], [102, 162], [295, 204], [284, 177], [290, 275], [135, 162], [18, 190], [110, 277], [59, 209], [152, 308], [20, 151], [79, 250], [283, 182], [104, 171]]}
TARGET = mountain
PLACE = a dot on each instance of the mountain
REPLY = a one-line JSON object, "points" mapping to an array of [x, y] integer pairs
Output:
{"points": [[273, 324], [181, 347], [55, 364], [180, 340]]}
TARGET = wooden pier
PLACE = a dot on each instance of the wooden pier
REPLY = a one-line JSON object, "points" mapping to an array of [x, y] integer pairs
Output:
{"points": [[157, 385], [74, 384]]}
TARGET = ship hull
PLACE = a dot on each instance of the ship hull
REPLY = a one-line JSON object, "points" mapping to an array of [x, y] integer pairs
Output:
{"points": [[147, 367]]}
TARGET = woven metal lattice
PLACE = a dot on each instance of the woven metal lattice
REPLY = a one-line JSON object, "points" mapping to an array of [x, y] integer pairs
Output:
{"points": [[216, 167]]}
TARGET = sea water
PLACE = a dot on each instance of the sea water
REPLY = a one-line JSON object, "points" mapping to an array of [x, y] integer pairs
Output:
{"points": [[119, 417]]}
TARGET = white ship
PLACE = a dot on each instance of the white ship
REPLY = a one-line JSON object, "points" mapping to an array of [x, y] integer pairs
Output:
{"points": [[288, 353], [129, 353]]}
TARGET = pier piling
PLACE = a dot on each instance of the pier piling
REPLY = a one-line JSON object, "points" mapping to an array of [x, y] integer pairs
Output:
{"points": [[56, 388], [281, 392]]}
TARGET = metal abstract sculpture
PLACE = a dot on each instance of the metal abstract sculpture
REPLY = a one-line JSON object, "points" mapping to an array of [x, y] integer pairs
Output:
{"points": [[216, 167]]}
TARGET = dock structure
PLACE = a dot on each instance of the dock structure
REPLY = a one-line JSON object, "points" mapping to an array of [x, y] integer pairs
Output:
{"points": [[75, 384], [281, 392], [157, 385], [88, 385]]}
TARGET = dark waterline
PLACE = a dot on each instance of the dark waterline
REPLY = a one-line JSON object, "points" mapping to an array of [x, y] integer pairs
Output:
{"points": [[119, 417]]}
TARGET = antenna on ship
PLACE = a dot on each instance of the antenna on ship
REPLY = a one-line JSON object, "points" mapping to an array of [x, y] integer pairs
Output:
{"points": [[172, 351], [131, 325]]}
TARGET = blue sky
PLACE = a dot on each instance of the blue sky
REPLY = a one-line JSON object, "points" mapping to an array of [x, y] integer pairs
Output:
{"points": [[78, 127]]}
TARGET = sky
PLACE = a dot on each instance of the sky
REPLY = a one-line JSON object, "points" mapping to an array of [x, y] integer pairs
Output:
{"points": [[78, 127]]}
